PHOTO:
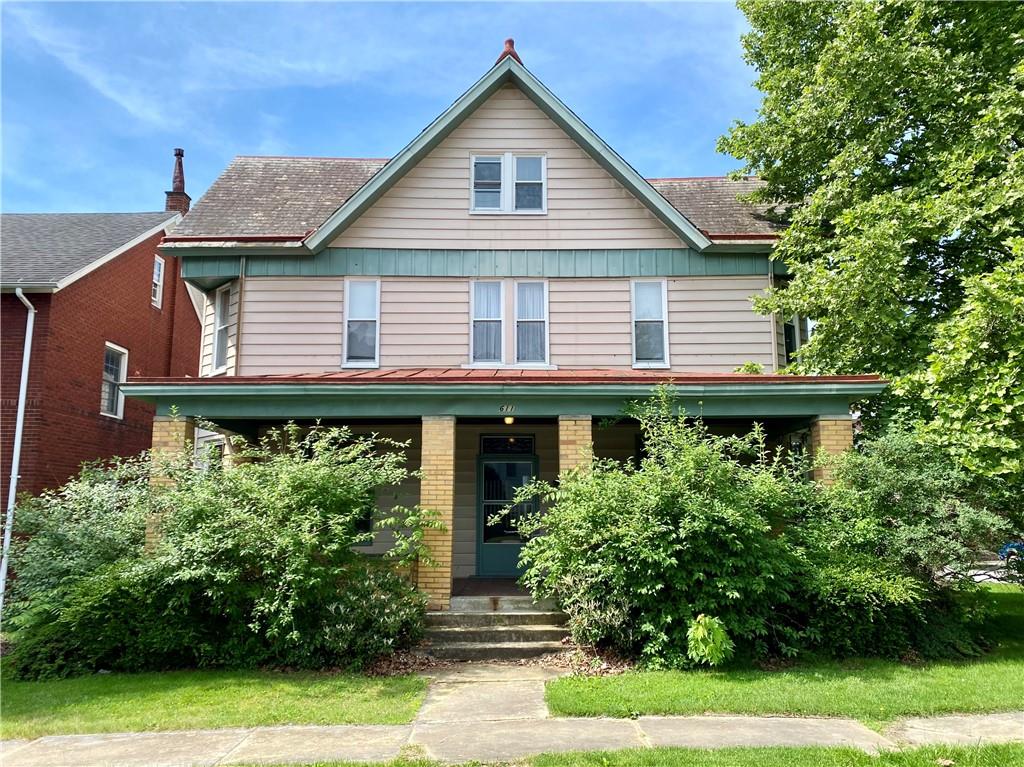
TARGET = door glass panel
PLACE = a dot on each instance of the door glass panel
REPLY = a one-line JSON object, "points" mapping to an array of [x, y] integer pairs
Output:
{"points": [[500, 480]]}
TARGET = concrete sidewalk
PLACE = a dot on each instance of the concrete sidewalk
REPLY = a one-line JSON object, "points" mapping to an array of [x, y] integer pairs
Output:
{"points": [[489, 713]]}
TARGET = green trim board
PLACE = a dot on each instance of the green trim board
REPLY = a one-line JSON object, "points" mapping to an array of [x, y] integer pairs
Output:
{"points": [[397, 262], [284, 401], [507, 70]]}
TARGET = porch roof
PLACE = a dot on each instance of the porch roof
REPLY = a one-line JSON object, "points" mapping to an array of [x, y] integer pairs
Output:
{"points": [[474, 392]]}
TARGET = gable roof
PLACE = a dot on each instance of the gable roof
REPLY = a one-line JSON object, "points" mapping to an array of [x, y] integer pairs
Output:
{"points": [[269, 197], [49, 250], [302, 203], [507, 70]]}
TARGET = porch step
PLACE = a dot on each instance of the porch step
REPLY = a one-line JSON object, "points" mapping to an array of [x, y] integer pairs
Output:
{"points": [[480, 651], [466, 619], [500, 604], [494, 635], [490, 635]]}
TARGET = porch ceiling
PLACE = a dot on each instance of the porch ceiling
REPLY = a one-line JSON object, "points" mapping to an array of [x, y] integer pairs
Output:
{"points": [[462, 392]]}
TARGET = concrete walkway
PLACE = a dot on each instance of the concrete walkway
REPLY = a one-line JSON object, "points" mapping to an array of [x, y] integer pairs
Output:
{"points": [[489, 713]]}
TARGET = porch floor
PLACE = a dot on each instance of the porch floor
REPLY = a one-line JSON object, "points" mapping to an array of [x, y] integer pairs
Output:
{"points": [[487, 587]]}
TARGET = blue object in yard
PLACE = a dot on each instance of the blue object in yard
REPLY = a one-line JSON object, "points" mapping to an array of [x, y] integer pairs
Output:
{"points": [[1011, 549]]}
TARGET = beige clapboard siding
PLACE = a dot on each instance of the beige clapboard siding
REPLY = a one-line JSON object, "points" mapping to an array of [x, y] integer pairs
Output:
{"points": [[291, 325], [206, 347], [295, 325], [467, 448], [424, 322], [429, 206], [713, 326], [590, 323]]}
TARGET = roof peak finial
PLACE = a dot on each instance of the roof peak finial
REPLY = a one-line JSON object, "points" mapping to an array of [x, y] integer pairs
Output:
{"points": [[510, 50]]}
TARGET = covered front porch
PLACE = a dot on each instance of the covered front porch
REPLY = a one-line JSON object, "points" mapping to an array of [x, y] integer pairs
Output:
{"points": [[477, 438]]}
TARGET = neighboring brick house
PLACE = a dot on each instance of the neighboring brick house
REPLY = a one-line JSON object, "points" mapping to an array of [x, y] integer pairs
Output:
{"points": [[491, 294], [107, 306]]}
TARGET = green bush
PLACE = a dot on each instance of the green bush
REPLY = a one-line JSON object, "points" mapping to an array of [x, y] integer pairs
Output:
{"points": [[64, 535], [256, 565], [710, 541], [634, 554]]}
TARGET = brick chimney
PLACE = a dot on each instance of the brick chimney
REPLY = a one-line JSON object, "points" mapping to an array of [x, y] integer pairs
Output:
{"points": [[176, 198], [510, 50]]}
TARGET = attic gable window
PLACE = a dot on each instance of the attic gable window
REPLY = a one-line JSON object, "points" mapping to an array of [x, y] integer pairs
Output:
{"points": [[509, 183]]}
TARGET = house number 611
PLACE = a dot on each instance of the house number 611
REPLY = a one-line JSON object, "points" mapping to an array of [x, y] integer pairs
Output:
{"points": [[506, 408]]}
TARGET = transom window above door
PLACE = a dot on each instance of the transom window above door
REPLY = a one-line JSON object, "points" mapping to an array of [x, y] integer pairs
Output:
{"points": [[508, 182]]}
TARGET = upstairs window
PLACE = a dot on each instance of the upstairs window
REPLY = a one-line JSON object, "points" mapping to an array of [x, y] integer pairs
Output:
{"points": [[531, 322], [650, 326], [115, 372], [509, 183], [156, 291], [487, 183], [487, 322], [221, 308], [362, 323]]}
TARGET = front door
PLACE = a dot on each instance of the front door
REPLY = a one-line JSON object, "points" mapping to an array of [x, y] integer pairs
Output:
{"points": [[506, 463]]}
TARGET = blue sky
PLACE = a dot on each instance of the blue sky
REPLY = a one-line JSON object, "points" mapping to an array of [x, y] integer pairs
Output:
{"points": [[95, 96]]}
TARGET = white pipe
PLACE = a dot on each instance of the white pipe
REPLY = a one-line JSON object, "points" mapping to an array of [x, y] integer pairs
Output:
{"points": [[26, 359]]}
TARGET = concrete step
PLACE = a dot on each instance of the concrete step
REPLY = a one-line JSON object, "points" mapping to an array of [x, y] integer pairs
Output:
{"points": [[495, 634], [452, 618], [481, 651], [500, 605]]}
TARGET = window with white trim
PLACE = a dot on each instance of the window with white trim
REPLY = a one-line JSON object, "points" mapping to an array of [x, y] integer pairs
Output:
{"points": [[650, 326], [115, 372], [221, 309], [362, 323], [486, 338], [509, 183], [156, 291], [531, 322]]}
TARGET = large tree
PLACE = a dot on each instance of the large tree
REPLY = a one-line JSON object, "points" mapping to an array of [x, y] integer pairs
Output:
{"points": [[893, 132]]}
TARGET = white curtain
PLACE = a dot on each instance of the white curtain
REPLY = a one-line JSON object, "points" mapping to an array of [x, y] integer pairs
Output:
{"points": [[487, 301], [530, 301]]}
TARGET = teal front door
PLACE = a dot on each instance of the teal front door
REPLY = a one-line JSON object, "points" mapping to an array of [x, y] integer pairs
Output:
{"points": [[499, 475]]}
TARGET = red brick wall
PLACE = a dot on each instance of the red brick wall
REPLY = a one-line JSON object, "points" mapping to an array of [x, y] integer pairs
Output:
{"points": [[110, 304]]}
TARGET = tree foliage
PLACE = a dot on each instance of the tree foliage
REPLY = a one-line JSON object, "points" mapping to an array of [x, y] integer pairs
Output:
{"points": [[892, 134], [975, 375]]}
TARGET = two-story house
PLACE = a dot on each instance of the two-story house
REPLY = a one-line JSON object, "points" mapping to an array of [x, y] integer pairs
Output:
{"points": [[86, 302], [491, 293]]}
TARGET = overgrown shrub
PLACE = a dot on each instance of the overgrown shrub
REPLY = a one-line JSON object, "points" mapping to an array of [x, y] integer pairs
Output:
{"points": [[876, 564], [63, 535], [258, 563], [634, 554]]}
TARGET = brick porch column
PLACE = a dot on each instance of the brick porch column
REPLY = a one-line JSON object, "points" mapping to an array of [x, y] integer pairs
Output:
{"points": [[575, 441], [171, 435], [830, 435], [437, 492]]}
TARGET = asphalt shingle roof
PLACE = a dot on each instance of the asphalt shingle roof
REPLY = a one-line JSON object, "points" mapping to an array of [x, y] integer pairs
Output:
{"points": [[712, 204], [43, 248], [266, 196], [261, 196]]}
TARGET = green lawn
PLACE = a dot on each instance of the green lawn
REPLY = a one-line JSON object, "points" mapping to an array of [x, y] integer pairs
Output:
{"points": [[182, 700], [871, 690], [960, 756]]}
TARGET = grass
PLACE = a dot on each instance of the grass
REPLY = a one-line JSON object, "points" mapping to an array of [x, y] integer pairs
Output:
{"points": [[873, 691], [183, 700], [961, 756]]}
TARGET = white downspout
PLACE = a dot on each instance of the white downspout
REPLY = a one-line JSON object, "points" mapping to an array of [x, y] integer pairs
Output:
{"points": [[26, 359]]}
